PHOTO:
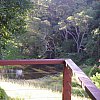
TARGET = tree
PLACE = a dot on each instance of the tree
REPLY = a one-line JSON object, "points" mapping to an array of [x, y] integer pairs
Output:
{"points": [[93, 43], [58, 26], [57, 11], [12, 20], [77, 27]]}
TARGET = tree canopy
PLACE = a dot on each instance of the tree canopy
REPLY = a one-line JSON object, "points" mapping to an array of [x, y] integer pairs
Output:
{"points": [[49, 29], [13, 16]]}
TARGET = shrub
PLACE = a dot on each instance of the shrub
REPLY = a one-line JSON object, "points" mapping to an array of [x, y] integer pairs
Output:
{"points": [[3, 94], [90, 61], [94, 70], [86, 69], [96, 79]]}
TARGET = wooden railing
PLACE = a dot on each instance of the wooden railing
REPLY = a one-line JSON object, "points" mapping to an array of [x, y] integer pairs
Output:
{"points": [[70, 68]]}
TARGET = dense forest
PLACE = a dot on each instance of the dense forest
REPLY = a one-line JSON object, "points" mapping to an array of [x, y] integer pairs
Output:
{"points": [[38, 29]]}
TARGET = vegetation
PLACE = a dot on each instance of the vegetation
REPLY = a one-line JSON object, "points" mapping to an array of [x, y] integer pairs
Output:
{"points": [[96, 79], [50, 83], [13, 15], [3, 95], [94, 70], [52, 29]]}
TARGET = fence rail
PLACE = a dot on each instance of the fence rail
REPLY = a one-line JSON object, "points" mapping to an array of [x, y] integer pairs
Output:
{"points": [[69, 68]]}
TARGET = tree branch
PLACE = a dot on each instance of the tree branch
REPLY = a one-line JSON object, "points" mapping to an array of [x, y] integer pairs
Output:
{"points": [[71, 35]]}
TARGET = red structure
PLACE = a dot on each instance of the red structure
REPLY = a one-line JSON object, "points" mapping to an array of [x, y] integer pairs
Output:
{"points": [[70, 68]]}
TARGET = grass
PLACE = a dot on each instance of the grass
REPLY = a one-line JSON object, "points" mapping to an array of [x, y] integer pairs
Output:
{"points": [[77, 90], [27, 92], [46, 88]]}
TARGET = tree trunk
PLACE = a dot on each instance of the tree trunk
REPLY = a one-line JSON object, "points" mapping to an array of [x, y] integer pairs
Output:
{"points": [[0, 50], [78, 47], [0, 53]]}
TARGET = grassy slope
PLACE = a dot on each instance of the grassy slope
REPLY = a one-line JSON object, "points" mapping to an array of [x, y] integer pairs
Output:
{"points": [[47, 88]]}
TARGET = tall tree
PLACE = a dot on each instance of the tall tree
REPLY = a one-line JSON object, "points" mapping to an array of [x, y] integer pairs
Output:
{"points": [[77, 27], [12, 19]]}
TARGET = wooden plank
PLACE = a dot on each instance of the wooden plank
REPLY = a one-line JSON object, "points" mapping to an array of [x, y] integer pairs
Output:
{"points": [[87, 84], [31, 61], [66, 95]]}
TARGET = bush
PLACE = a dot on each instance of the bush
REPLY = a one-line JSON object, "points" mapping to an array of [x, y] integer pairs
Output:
{"points": [[96, 79], [94, 70], [76, 57], [3, 94], [90, 61], [86, 69]]}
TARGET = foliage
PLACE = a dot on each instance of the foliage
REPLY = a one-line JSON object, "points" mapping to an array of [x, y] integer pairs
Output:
{"points": [[13, 51], [92, 47], [86, 69], [96, 79], [77, 89], [4, 67], [77, 27], [94, 70], [62, 28], [12, 20], [3, 94], [90, 61]]}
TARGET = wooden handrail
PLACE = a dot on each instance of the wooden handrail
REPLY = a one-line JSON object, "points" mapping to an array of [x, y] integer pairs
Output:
{"points": [[86, 83], [69, 68], [31, 61]]}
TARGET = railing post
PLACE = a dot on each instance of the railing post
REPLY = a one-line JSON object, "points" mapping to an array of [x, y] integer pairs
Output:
{"points": [[66, 83]]}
